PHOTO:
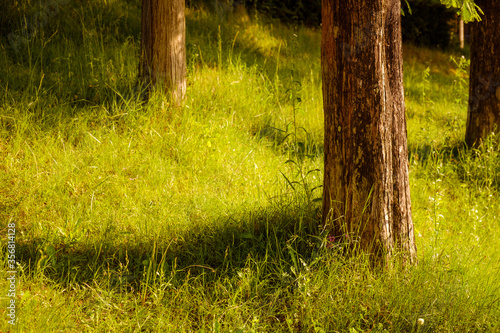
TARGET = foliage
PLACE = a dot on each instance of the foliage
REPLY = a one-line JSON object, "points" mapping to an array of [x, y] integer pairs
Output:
{"points": [[430, 24], [467, 9], [460, 83]]}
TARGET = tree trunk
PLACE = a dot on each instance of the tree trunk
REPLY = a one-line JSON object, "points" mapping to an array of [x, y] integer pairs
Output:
{"points": [[163, 46], [366, 198], [484, 86], [461, 33]]}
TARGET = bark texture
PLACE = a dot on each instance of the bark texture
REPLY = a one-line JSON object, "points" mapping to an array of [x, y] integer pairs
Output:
{"points": [[484, 86], [366, 196], [163, 46]]}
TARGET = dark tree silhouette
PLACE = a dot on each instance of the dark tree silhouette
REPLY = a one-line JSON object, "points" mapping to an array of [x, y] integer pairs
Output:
{"points": [[484, 86]]}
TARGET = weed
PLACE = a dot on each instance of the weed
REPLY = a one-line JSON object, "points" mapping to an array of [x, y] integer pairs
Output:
{"points": [[460, 84]]}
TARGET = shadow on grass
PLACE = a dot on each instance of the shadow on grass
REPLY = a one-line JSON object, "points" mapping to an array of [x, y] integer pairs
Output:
{"points": [[477, 166], [216, 250], [284, 142], [424, 152]]}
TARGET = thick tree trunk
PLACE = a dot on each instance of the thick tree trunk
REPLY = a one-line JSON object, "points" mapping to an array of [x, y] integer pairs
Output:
{"points": [[163, 46], [484, 86], [366, 198]]}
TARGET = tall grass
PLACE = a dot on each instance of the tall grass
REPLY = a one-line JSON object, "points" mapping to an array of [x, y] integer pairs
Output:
{"points": [[134, 216]]}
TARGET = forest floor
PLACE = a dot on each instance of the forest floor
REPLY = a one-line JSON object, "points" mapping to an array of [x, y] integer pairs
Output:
{"points": [[132, 216]]}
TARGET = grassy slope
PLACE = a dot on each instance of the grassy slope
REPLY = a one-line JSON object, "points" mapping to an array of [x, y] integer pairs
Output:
{"points": [[137, 217]]}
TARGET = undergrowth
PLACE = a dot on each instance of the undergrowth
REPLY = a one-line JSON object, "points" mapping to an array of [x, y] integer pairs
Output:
{"points": [[134, 216]]}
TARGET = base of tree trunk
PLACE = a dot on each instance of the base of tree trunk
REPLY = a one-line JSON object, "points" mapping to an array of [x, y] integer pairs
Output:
{"points": [[366, 188]]}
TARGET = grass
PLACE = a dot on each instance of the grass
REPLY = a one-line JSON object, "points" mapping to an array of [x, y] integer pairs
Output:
{"points": [[145, 217]]}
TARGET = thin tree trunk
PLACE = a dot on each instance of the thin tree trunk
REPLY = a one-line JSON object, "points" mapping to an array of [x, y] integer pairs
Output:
{"points": [[163, 46], [484, 86], [461, 33], [366, 198]]}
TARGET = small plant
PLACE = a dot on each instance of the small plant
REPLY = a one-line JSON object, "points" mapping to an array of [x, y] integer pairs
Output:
{"points": [[301, 148], [481, 166], [425, 85], [460, 83]]}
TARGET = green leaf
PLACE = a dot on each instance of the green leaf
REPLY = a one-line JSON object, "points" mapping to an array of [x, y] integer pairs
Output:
{"points": [[289, 183], [246, 235], [315, 170], [467, 9], [409, 9]]}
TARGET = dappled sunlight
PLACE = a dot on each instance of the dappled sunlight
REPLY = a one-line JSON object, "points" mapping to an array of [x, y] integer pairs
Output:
{"points": [[135, 215], [262, 40]]}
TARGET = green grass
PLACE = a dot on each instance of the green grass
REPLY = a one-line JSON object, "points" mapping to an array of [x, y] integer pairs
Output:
{"points": [[145, 217]]}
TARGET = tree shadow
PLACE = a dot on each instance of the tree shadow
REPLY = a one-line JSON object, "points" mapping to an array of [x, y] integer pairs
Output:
{"points": [[477, 166], [424, 152], [218, 249]]}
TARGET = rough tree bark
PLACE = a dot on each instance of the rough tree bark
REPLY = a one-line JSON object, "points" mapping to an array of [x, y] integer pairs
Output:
{"points": [[163, 46], [366, 196], [484, 86]]}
